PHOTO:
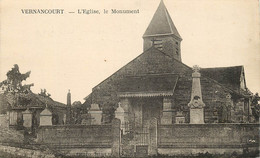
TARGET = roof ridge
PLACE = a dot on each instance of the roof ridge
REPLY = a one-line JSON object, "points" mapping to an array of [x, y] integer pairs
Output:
{"points": [[155, 74], [223, 67]]}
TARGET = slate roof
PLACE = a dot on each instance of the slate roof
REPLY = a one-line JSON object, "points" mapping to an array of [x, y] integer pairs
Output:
{"points": [[227, 76], [148, 83], [151, 61], [161, 23]]}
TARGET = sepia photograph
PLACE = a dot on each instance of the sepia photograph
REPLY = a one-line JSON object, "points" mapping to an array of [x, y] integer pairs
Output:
{"points": [[132, 78]]}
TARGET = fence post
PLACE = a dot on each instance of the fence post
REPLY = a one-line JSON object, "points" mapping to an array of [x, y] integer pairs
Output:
{"points": [[116, 135], [152, 150]]}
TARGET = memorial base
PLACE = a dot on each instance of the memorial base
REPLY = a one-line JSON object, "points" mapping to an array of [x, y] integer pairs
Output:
{"points": [[197, 116]]}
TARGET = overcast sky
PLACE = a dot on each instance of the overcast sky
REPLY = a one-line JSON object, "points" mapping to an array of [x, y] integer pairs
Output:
{"points": [[76, 52]]}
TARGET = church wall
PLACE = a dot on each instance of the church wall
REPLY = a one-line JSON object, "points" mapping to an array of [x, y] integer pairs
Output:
{"points": [[190, 139], [214, 97]]}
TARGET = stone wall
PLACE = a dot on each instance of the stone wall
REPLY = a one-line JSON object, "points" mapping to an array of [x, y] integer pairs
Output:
{"points": [[70, 140], [188, 139], [9, 151]]}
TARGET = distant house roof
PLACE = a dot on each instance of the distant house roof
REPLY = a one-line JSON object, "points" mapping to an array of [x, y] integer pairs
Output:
{"points": [[49, 101], [161, 23], [30, 100], [227, 76]]}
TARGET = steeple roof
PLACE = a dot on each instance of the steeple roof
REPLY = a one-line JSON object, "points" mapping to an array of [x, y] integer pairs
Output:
{"points": [[161, 23]]}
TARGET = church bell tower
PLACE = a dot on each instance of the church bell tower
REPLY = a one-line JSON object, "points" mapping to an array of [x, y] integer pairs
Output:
{"points": [[162, 34]]}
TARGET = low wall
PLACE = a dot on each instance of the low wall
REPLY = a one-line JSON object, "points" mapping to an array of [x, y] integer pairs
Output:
{"points": [[8, 151], [185, 139], [88, 140]]}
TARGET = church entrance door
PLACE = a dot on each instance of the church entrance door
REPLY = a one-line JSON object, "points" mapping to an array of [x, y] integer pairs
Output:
{"points": [[143, 110]]}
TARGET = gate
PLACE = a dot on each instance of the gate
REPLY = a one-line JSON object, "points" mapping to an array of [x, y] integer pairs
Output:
{"points": [[139, 140], [142, 138]]}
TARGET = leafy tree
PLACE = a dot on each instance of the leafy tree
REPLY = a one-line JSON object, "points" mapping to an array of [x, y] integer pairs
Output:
{"points": [[256, 106], [15, 79], [14, 86], [77, 110]]}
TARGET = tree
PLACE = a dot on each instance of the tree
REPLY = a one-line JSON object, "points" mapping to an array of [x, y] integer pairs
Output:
{"points": [[77, 110], [256, 106], [15, 79], [15, 87]]}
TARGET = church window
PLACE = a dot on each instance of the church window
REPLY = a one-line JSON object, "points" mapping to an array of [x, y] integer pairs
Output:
{"points": [[176, 43], [157, 43]]}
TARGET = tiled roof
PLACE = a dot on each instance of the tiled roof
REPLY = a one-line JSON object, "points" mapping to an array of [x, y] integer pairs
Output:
{"points": [[34, 100], [148, 83], [151, 61], [227, 76], [161, 23]]}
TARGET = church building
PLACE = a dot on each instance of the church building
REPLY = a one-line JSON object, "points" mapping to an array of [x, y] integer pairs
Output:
{"points": [[157, 84]]}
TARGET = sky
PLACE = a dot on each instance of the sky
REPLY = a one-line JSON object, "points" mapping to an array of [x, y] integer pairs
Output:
{"points": [[78, 51]]}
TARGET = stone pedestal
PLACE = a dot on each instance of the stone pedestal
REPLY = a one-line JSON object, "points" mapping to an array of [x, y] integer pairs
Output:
{"points": [[179, 118], [196, 104], [116, 138], [45, 118], [153, 148], [12, 118], [167, 111], [95, 114], [27, 118], [196, 116]]}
